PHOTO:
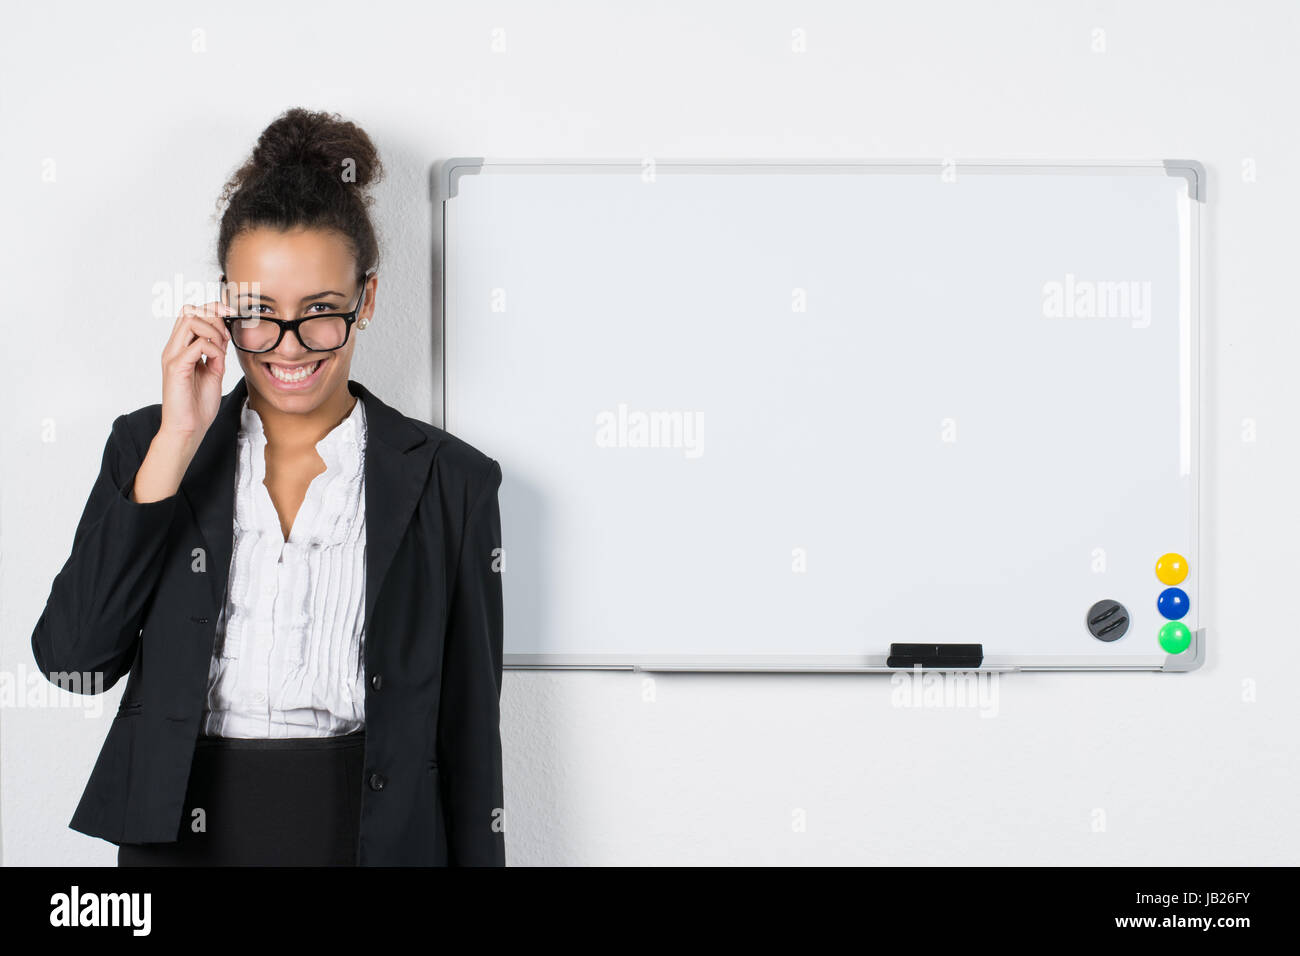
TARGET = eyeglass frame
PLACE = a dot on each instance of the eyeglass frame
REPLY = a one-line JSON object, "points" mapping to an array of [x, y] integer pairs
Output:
{"points": [[285, 325]]}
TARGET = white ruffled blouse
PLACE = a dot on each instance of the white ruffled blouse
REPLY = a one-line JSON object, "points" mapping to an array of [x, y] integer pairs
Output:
{"points": [[288, 657]]}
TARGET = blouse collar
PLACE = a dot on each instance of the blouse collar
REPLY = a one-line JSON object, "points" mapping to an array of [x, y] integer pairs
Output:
{"points": [[347, 436]]}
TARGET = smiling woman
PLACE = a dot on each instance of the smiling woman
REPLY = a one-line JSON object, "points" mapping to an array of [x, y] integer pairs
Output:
{"points": [[296, 245], [304, 721]]}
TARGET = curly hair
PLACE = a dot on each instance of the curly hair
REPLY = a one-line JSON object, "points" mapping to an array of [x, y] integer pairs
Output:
{"points": [[308, 169]]}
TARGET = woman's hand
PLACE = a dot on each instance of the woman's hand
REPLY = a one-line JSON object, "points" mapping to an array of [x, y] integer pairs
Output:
{"points": [[192, 387], [193, 363]]}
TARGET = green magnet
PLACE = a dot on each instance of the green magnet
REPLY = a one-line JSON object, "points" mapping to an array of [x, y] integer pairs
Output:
{"points": [[1175, 637]]}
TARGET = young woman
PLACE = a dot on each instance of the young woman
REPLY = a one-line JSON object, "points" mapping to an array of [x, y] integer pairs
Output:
{"points": [[299, 582]]}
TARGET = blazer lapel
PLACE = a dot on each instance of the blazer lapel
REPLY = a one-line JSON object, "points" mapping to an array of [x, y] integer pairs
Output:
{"points": [[398, 456], [209, 488]]}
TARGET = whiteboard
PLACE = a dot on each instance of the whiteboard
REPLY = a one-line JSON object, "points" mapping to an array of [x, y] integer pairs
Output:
{"points": [[782, 415]]}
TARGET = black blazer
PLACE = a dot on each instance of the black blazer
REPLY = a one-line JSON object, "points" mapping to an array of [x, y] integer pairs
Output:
{"points": [[140, 596]]}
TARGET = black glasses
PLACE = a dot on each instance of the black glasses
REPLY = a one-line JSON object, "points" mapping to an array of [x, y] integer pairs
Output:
{"points": [[318, 332]]}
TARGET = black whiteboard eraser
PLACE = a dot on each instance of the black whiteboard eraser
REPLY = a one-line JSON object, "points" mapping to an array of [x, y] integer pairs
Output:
{"points": [[935, 655]]}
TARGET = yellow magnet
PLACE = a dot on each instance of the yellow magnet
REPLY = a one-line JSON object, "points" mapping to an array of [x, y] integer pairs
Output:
{"points": [[1171, 568]]}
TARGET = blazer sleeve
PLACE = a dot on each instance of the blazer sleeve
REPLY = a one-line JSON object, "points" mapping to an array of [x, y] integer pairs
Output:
{"points": [[91, 622], [469, 716]]}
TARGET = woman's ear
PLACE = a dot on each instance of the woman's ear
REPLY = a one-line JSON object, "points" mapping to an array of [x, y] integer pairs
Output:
{"points": [[372, 285]]}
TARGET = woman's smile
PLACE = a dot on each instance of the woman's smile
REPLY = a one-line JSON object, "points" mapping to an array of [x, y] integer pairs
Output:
{"points": [[294, 376]]}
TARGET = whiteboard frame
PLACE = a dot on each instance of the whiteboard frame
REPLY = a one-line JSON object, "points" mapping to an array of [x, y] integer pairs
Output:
{"points": [[443, 189]]}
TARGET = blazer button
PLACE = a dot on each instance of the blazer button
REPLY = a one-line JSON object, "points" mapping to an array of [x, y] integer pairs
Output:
{"points": [[377, 781], [377, 681]]}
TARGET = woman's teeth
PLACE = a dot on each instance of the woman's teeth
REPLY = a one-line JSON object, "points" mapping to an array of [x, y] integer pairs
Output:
{"points": [[294, 375]]}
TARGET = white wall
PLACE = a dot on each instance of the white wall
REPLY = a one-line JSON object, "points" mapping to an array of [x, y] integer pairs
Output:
{"points": [[142, 131]]}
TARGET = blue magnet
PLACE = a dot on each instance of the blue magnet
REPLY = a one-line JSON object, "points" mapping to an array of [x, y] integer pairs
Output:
{"points": [[1172, 603]]}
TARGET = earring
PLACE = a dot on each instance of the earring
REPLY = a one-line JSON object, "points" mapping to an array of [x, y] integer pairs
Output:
{"points": [[362, 323]]}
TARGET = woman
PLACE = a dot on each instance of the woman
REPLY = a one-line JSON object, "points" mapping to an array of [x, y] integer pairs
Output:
{"points": [[299, 582]]}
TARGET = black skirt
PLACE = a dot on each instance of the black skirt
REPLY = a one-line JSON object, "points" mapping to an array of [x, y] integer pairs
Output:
{"points": [[292, 801]]}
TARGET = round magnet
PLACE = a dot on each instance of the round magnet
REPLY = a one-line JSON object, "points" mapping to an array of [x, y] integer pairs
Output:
{"points": [[1107, 620], [1175, 637], [1172, 603], [1171, 568]]}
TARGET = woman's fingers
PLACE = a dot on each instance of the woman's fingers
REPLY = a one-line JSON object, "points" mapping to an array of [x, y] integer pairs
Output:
{"points": [[214, 367], [193, 364], [196, 329], [190, 356], [198, 321]]}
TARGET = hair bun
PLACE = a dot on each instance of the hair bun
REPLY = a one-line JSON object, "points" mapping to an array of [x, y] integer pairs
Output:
{"points": [[322, 141], [308, 169]]}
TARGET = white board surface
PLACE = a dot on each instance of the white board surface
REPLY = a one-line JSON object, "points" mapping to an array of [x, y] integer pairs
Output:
{"points": [[901, 403]]}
